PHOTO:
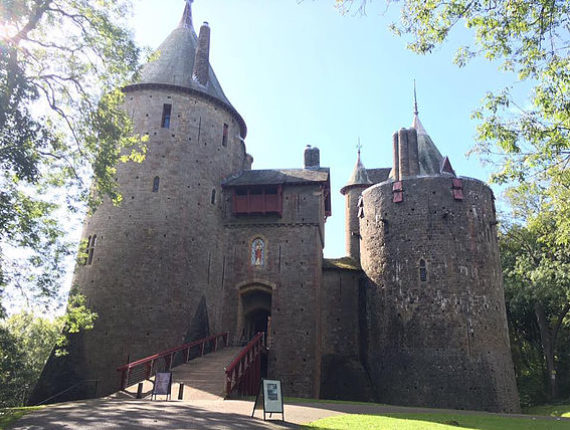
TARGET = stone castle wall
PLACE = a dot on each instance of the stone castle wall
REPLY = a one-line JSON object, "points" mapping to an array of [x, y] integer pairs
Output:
{"points": [[157, 266], [352, 226], [442, 341], [343, 375], [292, 270]]}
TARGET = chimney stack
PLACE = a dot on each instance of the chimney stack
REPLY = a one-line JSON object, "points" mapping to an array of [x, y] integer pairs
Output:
{"points": [[406, 157], [202, 59], [312, 157]]}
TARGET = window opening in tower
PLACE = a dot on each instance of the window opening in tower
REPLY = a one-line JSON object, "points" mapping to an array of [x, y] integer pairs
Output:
{"points": [[166, 112]]}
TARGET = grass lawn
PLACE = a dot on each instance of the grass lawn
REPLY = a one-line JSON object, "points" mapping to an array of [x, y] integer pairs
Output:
{"points": [[550, 410], [434, 422], [8, 416]]}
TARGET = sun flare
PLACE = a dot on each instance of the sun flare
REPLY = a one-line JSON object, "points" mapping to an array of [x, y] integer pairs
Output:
{"points": [[7, 31]]}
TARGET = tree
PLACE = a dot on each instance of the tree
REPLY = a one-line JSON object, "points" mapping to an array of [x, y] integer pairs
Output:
{"points": [[62, 64], [530, 38], [25, 342], [536, 270]]}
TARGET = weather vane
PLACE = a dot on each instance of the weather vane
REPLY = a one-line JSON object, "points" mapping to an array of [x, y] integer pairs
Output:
{"points": [[358, 145]]}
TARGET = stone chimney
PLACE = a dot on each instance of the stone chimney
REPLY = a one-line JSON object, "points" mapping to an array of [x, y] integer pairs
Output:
{"points": [[312, 157], [202, 60], [406, 159]]}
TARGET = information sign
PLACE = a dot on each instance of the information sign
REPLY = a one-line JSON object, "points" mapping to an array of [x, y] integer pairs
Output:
{"points": [[162, 385], [272, 398]]}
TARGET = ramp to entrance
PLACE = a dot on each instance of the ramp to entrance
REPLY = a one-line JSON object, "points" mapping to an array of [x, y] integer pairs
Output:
{"points": [[204, 378]]}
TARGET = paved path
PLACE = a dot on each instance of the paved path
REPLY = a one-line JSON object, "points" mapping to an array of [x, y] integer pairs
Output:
{"points": [[111, 413]]}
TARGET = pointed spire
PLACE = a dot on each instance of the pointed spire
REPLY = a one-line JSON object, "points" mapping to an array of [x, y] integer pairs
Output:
{"points": [[415, 100], [416, 123], [359, 174], [186, 20]]}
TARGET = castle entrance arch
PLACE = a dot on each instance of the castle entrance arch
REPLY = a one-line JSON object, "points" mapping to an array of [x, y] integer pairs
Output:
{"points": [[254, 313]]}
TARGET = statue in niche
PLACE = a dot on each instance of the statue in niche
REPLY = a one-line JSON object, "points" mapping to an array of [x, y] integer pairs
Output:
{"points": [[258, 252]]}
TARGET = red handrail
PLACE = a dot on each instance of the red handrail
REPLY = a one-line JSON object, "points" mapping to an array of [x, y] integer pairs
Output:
{"points": [[244, 372], [168, 356]]}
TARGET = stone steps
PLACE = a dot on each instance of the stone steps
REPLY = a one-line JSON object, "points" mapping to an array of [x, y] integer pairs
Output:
{"points": [[203, 378]]}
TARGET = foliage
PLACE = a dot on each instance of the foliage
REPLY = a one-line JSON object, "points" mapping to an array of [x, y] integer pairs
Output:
{"points": [[60, 122], [78, 317], [14, 375], [528, 141], [26, 341], [536, 269], [11, 415], [435, 421]]}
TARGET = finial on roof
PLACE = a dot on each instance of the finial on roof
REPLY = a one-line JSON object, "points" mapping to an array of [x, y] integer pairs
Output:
{"points": [[415, 100], [359, 174], [186, 20]]}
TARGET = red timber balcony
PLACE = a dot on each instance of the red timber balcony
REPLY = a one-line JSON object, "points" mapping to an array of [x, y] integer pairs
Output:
{"points": [[257, 200]]}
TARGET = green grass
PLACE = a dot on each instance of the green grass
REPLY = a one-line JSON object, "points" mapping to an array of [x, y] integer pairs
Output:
{"points": [[11, 415], [434, 422], [562, 410]]}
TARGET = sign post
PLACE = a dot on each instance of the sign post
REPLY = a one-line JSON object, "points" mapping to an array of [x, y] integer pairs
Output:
{"points": [[162, 385], [272, 395]]}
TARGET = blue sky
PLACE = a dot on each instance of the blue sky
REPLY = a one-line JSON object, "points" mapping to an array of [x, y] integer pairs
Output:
{"points": [[301, 73]]}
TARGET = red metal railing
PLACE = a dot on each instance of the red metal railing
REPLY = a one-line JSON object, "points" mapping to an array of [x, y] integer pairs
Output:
{"points": [[244, 372], [147, 367]]}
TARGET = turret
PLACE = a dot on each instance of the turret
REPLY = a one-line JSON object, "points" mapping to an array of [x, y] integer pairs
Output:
{"points": [[352, 191], [429, 246], [155, 272]]}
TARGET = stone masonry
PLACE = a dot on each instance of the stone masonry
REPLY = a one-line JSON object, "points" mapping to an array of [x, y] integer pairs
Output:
{"points": [[202, 244]]}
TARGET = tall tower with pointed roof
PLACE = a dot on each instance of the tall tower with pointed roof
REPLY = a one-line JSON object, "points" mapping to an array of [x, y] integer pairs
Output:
{"points": [[156, 261], [436, 311], [352, 191]]}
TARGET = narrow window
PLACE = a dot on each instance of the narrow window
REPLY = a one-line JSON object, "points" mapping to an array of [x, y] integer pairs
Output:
{"points": [[85, 256], [423, 270], [166, 111], [225, 136], [155, 184], [213, 197], [91, 248]]}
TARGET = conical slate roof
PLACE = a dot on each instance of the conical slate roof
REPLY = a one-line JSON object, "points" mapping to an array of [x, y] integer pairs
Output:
{"points": [[175, 61], [429, 156], [359, 175]]}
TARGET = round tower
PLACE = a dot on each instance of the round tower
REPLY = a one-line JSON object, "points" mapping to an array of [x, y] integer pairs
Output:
{"points": [[437, 319], [155, 262], [352, 191]]}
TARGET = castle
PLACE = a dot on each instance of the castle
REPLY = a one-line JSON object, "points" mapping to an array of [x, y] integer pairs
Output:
{"points": [[203, 244]]}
